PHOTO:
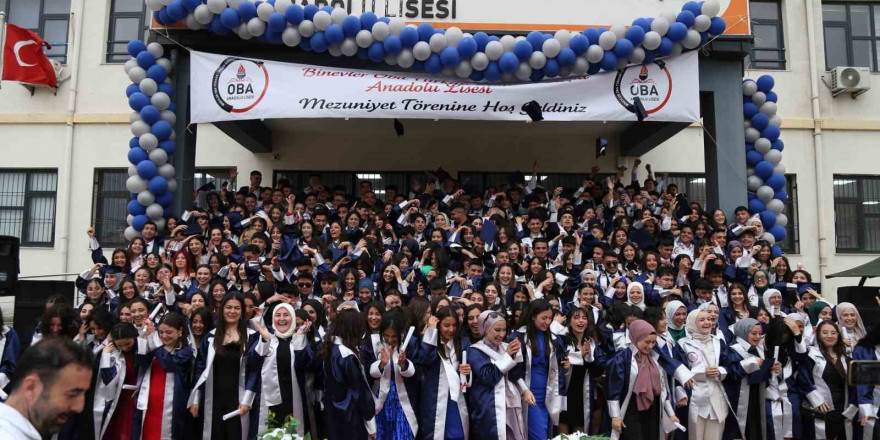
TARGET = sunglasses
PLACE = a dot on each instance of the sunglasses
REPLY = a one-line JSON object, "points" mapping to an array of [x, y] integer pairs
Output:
{"points": [[304, 284]]}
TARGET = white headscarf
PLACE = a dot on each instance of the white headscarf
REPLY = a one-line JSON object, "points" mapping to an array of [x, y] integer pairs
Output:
{"points": [[292, 328], [671, 308], [640, 304], [691, 325], [858, 332], [766, 297]]}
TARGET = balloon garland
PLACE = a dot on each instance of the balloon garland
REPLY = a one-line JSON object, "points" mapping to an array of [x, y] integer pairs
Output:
{"points": [[450, 52], [766, 174], [151, 176]]}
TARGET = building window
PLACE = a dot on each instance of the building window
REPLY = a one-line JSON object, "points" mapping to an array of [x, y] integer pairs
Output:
{"points": [[129, 20], [791, 244], [48, 18], [857, 213], [110, 204], [349, 181], [768, 51], [206, 176], [852, 34], [27, 205], [692, 184]]}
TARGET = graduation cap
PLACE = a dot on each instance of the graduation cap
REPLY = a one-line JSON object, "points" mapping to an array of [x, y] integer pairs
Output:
{"points": [[112, 269], [488, 232], [193, 229], [210, 186]]}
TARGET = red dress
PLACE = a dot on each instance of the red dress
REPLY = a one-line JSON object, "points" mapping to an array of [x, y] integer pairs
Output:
{"points": [[156, 403], [122, 419]]}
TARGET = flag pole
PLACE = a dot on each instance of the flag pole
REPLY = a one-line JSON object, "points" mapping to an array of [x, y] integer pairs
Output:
{"points": [[2, 43]]}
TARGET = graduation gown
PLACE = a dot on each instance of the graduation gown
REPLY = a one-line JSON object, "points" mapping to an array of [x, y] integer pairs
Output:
{"points": [[441, 382], [704, 392], [349, 404], [270, 384], [112, 370], [812, 384], [493, 378], [622, 373], [10, 346], [744, 374], [177, 365], [555, 389], [405, 380], [593, 367], [867, 397]]}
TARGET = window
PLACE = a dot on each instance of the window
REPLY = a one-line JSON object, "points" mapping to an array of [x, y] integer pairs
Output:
{"points": [[692, 184], [852, 34], [857, 213], [48, 18], [109, 206], [27, 205], [791, 244], [129, 20], [768, 51], [205, 176], [349, 180]]}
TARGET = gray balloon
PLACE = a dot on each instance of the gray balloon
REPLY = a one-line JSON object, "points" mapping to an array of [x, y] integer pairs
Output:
{"points": [[759, 98], [168, 116], [130, 64], [146, 198], [160, 100], [765, 193], [768, 108], [159, 157], [607, 40], [747, 123], [135, 184], [172, 185], [139, 128], [156, 49], [750, 171], [155, 211], [752, 135], [781, 220], [167, 171], [132, 170], [776, 206], [749, 87], [134, 117], [775, 120], [130, 233], [594, 54], [148, 141], [762, 145], [691, 40], [165, 63], [160, 223], [137, 74], [129, 219], [754, 182], [779, 168], [769, 238], [773, 156]]}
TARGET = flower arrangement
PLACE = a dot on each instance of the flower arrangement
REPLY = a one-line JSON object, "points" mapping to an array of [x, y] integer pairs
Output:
{"points": [[579, 436], [282, 431]]}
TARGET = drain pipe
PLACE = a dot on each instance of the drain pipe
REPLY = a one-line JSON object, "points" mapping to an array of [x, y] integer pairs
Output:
{"points": [[817, 142], [65, 188]]}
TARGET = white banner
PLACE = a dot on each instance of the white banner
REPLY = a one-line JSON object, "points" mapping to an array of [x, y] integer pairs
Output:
{"points": [[230, 88]]}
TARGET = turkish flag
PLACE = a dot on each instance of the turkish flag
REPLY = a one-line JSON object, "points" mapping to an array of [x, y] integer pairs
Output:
{"points": [[24, 59]]}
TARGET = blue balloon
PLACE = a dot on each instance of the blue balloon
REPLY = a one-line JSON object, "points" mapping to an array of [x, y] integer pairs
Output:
{"points": [[165, 200], [217, 27], [162, 130], [310, 10], [551, 69], [135, 47], [749, 110], [522, 49], [425, 31], [277, 22], [161, 16], [536, 39], [139, 222], [566, 57], [351, 25], [230, 18], [780, 195], [756, 206], [493, 72], [609, 61], [751, 196], [481, 38], [778, 233], [393, 46], [692, 7], [247, 11], [191, 5], [364, 55], [750, 147], [753, 158], [579, 44], [704, 37], [635, 35], [328, 9], [172, 107], [467, 47], [686, 18], [176, 11], [476, 75], [145, 60], [157, 73], [157, 185], [169, 146], [771, 132], [666, 47], [776, 181], [494, 38], [768, 219], [137, 101], [376, 51], [433, 64], [624, 48], [650, 55], [760, 121], [536, 76], [150, 114], [592, 35], [717, 26], [509, 62], [135, 208], [137, 155], [677, 31], [295, 14], [765, 83], [777, 145], [146, 169], [449, 57], [385, 20], [772, 97], [409, 37], [131, 90], [764, 169], [167, 89], [133, 142], [319, 43], [775, 251]]}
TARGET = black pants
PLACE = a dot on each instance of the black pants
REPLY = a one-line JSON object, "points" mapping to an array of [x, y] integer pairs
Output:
{"points": [[641, 425]]}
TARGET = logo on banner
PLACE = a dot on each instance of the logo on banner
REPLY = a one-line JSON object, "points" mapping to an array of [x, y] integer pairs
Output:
{"points": [[240, 84], [651, 83]]}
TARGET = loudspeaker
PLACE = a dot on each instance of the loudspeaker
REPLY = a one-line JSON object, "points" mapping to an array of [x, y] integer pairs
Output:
{"points": [[9, 267], [30, 303], [864, 298]]}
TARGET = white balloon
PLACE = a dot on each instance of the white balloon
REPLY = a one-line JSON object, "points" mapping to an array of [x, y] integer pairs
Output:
{"points": [[537, 60], [405, 59], [364, 38], [776, 206], [381, 31], [711, 8], [581, 65], [619, 31], [750, 171], [234, 3], [167, 171], [507, 42], [622, 63], [669, 16], [130, 64], [168, 116], [217, 6], [637, 56], [447, 71], [264, 11], [749, 87], [243, 32], [160, 100], [390, 59], [160, 224], [480, 61], [396, 25], [759, 98], [291, 37], [651, 41], [134, 117], [769, 108], [438, 42], [257, 27], [773, 156], [154, 5], [762, 145], [130, 233], [677, 49], [754, 182], [781, 220], [702, 23], [148, 86], [551, 47], [765, 193], [156, 49], [660, 26], [280, 5], [191, 22], [523, 71], [139, 128], [148, 141], [769, 238], [159, 157], [779, 168], [775, 120], [155, 211], [129, 219], [421, 51], [322, 20], [508, 77], [135, 184], [338, 15], [172, 185], [494, 50], [564, 71], [464, 69], [752, 135], [595, 54], [146, 198], [691, 40], [606, 40], [350, 48], [747, 123], [203, 14], [306, 28], [137, 74], [563, 36], [166, 64]]}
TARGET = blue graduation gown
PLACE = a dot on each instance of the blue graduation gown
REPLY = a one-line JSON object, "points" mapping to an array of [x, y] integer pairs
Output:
{"points": [[492, 375], [348, 402], [9, 349], [868, 398], [436, 389], [177, 366]]}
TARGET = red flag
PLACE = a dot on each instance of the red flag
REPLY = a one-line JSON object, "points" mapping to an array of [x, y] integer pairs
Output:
{"points": [[24, 59]]}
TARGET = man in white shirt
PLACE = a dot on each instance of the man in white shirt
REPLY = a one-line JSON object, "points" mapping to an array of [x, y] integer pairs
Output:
{"points": [[50, 388]]}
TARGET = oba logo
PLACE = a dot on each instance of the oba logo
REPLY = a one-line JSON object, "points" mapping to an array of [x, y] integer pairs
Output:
{"points": [[239, 84], [651, 83]]}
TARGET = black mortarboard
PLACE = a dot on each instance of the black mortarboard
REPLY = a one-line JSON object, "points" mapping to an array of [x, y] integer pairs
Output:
{"points": [[210, 186]]}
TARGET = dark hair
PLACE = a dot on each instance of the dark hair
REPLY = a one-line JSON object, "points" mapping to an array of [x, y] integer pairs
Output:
{"points": [[102, 318], [393, 320], [415, 312], [590, 331], [778, 334], [535, 308], [441, 314], [319, 311], [839, 348], [220, 332], [68, 320], [348, 326], [207, 318], [47, 358], [653, 315], [178, 322], [124, 330]]}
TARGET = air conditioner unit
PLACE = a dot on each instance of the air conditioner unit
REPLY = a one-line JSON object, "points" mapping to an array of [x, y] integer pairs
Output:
{"points": [[844, 79]]}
